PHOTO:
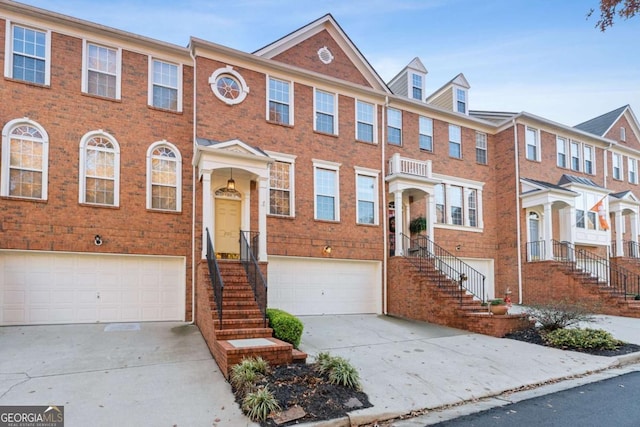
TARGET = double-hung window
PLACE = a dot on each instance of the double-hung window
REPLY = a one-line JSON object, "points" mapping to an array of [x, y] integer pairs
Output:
{"points": [[617, 166], [589, 166], [416, 86], [365, 127], [99, 169], [533, 144], [481, 148], [325, 103], [455, 141], [456, 205], [280, 102], [164, 177], [461, 101], [574, 150], [632, 165], [561, 152], [367, 196], [394, 126], [441, 217], [165, 91], [28, 54], [472, 207], [326, 190], [281, 184], [101, 70], [426, 133], [25, 148]]}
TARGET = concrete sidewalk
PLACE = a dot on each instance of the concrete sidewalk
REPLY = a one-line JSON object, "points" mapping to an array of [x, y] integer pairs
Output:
{"points": [[408, 366], [147, 374]]}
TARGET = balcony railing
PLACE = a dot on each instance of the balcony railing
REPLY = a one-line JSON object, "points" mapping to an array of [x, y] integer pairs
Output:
{"points": [[402, 165]]}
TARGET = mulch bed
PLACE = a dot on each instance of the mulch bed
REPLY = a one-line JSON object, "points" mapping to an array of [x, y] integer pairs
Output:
{"points": [[299, 384], [533, 336]]}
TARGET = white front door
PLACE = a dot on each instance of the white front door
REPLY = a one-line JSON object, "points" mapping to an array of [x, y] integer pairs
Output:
{"points": [[227, 237]]}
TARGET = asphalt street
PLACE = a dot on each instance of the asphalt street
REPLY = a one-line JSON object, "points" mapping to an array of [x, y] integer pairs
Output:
{"points": [[611, 402]]}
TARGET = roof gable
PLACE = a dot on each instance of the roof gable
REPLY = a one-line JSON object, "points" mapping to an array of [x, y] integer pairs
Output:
{"points": [[600, 125], [322, 46]]}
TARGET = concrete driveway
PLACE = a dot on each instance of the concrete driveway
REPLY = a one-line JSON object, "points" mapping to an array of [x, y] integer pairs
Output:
{"points": [[130, 374]]}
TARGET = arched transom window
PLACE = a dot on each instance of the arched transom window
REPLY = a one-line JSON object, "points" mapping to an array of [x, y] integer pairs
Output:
{"points": [[164, 166], [24, 160], [100, 167]]}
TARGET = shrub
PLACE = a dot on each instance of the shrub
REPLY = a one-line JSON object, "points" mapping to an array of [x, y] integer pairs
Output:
{"points": [[560, 314], [338, 369], [497, 301], [582, 339], [246, 374], [637, 297], [259, 404], [286, 327]]}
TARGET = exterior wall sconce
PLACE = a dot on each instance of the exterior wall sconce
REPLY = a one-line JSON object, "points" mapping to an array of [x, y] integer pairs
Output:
{"points": [[231, 184], [327, 250], [97, 240]]}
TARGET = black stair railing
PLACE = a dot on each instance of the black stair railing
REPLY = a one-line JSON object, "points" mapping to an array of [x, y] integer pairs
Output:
{"points": [[424, 252], [216, 278], [621, 280], [255, 277]]}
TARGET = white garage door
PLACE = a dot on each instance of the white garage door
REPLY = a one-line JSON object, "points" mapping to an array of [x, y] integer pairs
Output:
{"points": [[51, 288], [305, 286], [484, 266]]}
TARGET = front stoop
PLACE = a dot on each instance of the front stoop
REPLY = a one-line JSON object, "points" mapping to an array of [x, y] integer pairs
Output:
{"points": [[242, 333]]}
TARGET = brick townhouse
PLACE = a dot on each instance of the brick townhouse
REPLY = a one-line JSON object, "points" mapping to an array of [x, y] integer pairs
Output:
{"points": [[126, 160]]}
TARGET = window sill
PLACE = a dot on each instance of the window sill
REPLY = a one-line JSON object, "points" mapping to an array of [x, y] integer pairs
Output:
{"points": [[332, 135], [165, 110], [285, 125], [163, 211], [28, 83], [372, 143], [23, 199], [103, 98], [288, 217], [459, 228], [95, 205]]}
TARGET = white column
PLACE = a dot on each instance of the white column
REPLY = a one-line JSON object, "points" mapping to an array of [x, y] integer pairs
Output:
{"points": [[547, 231], [480, 213], [465, 207], [207, 211], [399, 222], [633, 219], [447, 204], [619, 232], [572, 229], [431, 209], [263, 199]]}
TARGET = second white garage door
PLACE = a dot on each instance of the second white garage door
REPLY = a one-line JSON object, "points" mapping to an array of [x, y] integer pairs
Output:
{"points": [[306, 286], [50, 288]]}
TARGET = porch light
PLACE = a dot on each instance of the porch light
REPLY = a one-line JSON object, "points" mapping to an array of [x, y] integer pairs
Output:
{"points": [[231, 184]]}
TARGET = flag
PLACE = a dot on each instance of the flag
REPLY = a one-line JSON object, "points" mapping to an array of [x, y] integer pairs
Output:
{"points": [[602, 214]]}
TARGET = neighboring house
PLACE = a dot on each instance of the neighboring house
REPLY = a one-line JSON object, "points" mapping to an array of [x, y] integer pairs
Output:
{"points": [[121, 154]]}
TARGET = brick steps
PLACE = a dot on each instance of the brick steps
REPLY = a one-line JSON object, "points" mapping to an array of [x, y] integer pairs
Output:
{"points": [[242, 320]]}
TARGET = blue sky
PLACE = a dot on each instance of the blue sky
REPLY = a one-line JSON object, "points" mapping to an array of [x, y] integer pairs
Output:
{"points": [[544, 57]]}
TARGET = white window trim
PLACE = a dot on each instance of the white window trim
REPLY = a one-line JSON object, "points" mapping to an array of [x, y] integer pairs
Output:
{"points": [[565, 143], [335, 110], [6, 152], [450, 141], [485, 148], [591, 148], [466, 185], [623, 134], [85, 69], [291, 159], [411, 86], [291, 98], [374, 124], [178, 161], [375, 174], [455, 99], [151, 83], [537, 144], [116, 166], [8, 48], [399, 127], [632, 166], [244, 89], [323, 164], [425, 134], [615, 156], [579, 153]]}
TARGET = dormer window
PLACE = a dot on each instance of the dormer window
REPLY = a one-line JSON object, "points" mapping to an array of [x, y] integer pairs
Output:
{"points": [[461, 101], [416, 86], [623, 134]]}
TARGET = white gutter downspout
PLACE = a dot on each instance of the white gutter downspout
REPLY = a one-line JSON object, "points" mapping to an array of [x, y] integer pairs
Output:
{"points": [[193, 197], [384, 215], [518, 228]]}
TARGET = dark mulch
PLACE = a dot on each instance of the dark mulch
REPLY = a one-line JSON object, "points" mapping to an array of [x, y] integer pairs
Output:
{"points": [[299, 384], [534, 336]]}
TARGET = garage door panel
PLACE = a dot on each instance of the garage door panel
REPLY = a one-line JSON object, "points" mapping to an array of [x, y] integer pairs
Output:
{"points": [[47, 288], [306, 286]]}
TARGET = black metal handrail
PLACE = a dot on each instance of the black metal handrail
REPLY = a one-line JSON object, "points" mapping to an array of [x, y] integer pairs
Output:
{"points": [[256, 279], [536, 251], [423, 252], [630, 248], [216, 278], [621, 280]]}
